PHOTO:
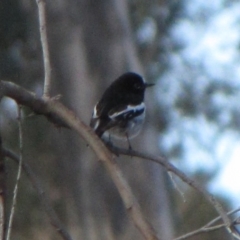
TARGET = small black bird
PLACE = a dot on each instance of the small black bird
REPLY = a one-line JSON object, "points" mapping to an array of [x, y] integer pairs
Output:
{"points": [[121, 111]]}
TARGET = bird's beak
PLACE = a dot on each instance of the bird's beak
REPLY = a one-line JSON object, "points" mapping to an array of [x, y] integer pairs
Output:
{"points": [[149, 85]]}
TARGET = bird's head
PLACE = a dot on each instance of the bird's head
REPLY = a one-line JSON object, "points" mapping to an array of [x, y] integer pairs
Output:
{"points": [[131, 82]]}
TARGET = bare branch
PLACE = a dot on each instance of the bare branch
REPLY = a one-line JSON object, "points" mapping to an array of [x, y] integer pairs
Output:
{"points": [[43, 197], [29, 99], [219, 218], [199, 231], [207, 227], [108, 160], [55, 111], [177, 187], [44, 41], [235, 230], [171, 168], [15, 192]]}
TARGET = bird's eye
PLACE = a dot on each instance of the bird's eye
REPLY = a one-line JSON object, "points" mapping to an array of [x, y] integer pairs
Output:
{"points": [[137, 86]]}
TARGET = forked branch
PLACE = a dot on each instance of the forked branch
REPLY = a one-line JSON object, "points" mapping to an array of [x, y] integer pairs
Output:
{"points": [[56, 112]]}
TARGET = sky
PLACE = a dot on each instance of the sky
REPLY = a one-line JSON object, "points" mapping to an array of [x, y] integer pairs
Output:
{"points": [[208, 35], [212, 43]]}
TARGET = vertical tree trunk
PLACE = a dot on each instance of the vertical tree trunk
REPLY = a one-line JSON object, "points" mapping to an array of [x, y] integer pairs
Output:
{"points": [[91, 44]]}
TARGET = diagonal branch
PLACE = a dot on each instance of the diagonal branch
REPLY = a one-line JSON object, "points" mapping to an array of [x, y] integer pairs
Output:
{"points": [[15, 191], [60, 115], [56, 112], [207, 227], [171, 168], [43, 197]]}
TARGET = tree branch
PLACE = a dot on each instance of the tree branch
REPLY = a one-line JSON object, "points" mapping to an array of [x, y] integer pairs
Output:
{"points": [[43, 197], [29, 99], [59, 114], [207, 227], [15, 191], [171, 168], [44, 41], [56, 112]]}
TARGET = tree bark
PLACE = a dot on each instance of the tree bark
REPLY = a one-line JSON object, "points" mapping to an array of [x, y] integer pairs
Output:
{"points": [[91, 44]]}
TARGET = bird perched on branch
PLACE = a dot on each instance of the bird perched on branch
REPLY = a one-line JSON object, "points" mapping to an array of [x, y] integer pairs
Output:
{"points": [[120, 112]]}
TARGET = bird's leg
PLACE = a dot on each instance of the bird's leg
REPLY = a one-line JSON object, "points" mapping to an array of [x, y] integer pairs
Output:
{"points": [[129, 145], [108, 140]]}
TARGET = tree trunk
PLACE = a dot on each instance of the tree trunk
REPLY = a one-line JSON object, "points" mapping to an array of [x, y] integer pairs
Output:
{"points": [[91, 44]]}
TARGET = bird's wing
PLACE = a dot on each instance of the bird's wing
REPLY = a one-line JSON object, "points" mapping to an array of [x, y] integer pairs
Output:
{"points": [[99, 121], [120, 113], [126, 112]]}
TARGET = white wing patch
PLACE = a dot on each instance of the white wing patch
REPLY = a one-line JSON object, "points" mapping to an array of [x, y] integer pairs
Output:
{"points": [[95, 112], [129, 108]]}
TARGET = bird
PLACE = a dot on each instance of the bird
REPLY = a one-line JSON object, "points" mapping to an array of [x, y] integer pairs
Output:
{"points": [[121, 110]]}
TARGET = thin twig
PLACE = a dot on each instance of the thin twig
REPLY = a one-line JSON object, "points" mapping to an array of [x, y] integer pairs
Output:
{"points": [[199, 231], [235, 230], [169, 167], [42, 195], [219, 218], [44, 41], [55, 111], [206, 228], [177, 187], [15, 192]]}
